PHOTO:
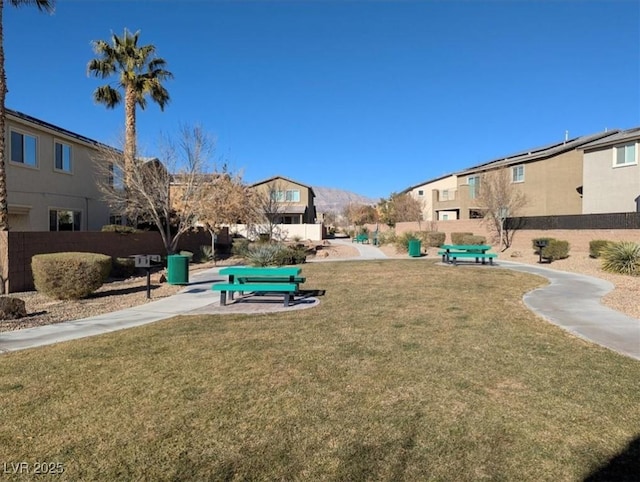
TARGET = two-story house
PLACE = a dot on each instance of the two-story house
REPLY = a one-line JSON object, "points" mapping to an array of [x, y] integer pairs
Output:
{"points": [[288, 201], [551, 178], [51, 177], [611, 180], [440, 191]]}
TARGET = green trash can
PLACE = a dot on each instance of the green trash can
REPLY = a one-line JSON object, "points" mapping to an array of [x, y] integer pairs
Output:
{"points": [[177, 269], [414, 247]]}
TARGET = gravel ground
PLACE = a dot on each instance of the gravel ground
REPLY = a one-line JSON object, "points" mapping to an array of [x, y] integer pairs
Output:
{"points": [[118, 295]]}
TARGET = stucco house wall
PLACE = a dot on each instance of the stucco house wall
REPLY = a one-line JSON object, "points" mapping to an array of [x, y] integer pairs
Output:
{"points": [[33, 189]]}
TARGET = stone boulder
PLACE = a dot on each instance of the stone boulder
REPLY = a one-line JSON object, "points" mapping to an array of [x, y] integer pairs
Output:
{"points": [[12, 308]]}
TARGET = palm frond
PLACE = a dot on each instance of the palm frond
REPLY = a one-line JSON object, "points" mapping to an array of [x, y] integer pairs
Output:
{"points": [[108, 96]]}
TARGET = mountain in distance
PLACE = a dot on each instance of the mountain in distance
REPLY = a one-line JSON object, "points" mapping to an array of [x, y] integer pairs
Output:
{"points": [[336, 200]]}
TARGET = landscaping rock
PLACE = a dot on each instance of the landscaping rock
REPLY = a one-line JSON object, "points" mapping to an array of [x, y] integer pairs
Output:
{"points": [[12, 308]]}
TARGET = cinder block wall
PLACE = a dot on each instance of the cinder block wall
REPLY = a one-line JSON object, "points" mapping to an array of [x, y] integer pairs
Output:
{"points": [[20, 247]]}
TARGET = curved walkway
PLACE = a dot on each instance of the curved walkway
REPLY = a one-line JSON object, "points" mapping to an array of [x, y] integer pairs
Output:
{"points": [[571, 301]]}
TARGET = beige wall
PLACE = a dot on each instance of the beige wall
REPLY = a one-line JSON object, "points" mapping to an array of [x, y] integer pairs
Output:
{"points": [[283, 232], [32, 191], [431, 193], [549, 186], [609, 189]]}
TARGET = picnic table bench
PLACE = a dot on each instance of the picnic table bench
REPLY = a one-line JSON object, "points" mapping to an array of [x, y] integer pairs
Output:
{"points": [[452, 252], [361, 238], [241, 279]]}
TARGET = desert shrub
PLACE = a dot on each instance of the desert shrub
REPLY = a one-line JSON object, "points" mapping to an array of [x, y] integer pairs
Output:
{"points": [[458, 238], [556, 249], [122, 267], [205, 253], [387, 237], [435, 239], [536, 250], [622, 257], [117, 228], [189, 254], [239, 247], [474, 239], [68, 276], [291, 255], [402, 241], [596, 247], [263, 254]]}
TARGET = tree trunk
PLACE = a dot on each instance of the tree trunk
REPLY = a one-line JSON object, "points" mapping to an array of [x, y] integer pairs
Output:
{"points": [[4, 206], [129, 138]]}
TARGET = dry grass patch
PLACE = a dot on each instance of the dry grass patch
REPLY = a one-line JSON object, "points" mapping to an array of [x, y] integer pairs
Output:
{"points": [[406, 371]]}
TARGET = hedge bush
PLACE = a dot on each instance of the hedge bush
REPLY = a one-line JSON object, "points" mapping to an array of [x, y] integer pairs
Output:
{"points": [[122, 267], [596, 247], [69, 276], [387, 237], [291, 255], [556, 249], [474, 240], [458, 238], [239, 247], [622, 258], [435, 239], [117, 228]]}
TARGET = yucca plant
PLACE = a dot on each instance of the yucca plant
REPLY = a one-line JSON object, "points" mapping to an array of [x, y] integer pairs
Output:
{"points": [[263, 254], [622, 258]]}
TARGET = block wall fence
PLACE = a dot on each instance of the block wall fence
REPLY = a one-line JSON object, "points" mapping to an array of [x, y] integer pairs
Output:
{"points": [[17, 249]]}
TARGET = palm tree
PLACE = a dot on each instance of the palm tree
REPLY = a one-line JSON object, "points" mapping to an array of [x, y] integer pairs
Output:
{"points": [[46, 5], [140, 74]]}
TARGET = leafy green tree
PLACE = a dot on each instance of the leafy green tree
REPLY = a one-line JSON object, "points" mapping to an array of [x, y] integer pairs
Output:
{"points": [[42, 5], [140, 75]]}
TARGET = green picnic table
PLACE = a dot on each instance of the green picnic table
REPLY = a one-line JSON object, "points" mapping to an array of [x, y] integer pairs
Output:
{"points": [[259, 280], [451, 252]]}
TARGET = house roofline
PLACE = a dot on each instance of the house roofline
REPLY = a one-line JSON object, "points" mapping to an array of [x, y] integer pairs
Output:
{"points": [[273, 178], [539, 153], [47, 125], [411, 188]]}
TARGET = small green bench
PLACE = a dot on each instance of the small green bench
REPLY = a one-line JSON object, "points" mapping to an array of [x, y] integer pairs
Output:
{"points": [[361, 238], [288, 289]]}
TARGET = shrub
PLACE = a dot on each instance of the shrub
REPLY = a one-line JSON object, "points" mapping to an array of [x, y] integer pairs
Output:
{"points": [[387, 237], [556, 249], [622, 257], [205, 253], [239, 247], [263, 254], [117, 228], [596, 247], [291, 255], [435, 239], [187, 253], [122, 267], [536, 250], [474, 240], [402, 241], [458, 238], [68, 276]]}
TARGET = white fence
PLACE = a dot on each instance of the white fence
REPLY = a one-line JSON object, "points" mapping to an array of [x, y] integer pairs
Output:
{"points": [[281, 232]]}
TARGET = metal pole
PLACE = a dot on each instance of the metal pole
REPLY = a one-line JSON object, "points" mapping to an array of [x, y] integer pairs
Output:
{"points": [[148, 283]]}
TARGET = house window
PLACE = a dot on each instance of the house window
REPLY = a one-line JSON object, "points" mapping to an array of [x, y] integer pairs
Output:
{"points": [[474, 184], [420, 192], [62, 157], [445, 217], [24, 149], [290, 195], [116, 178], [625, 155], [517, 174], [64, 220], [444, 195]]}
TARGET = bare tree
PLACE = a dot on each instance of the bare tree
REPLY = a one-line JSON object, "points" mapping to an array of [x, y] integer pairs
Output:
{"points": [[360, 214], [225, 200], [500, 198], [149, 195], [400, 208], [270, 204]]}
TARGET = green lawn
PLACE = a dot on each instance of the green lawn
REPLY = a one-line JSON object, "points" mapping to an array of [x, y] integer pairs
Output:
{"points": [[407, 370]]}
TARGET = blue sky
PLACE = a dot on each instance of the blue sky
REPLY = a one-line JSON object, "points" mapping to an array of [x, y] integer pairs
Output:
{"points": [[367, 96]]}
